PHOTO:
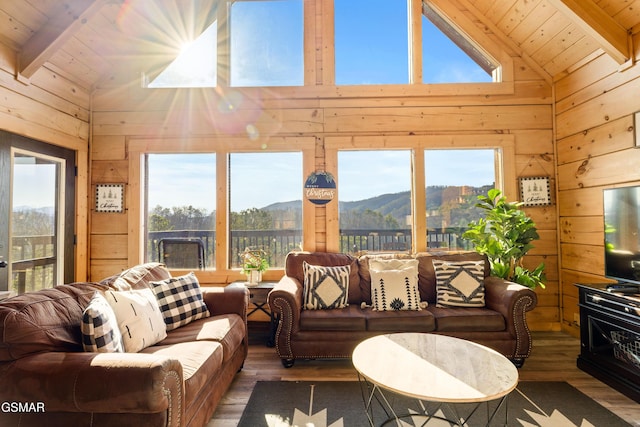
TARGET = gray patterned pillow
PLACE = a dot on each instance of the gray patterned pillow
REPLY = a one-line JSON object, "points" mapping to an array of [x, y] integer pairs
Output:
{"points": [[459, 284], [325, 287], [99, 328], [180, 300]]}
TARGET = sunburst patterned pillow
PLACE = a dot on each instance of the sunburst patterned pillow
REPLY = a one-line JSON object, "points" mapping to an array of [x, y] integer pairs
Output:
{"points": [[459, 284], [325, 287]]}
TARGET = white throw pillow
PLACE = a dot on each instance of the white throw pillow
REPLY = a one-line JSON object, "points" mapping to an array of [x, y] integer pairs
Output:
{"points": [[394, 284], [139, 318]]}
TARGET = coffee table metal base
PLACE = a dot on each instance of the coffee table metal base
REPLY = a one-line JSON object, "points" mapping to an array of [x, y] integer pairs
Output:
{"points": [[372, 394]]}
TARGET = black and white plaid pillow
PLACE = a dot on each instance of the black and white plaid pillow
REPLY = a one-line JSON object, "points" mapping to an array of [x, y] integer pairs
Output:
{"points": [[180, 300], [100, 332]]}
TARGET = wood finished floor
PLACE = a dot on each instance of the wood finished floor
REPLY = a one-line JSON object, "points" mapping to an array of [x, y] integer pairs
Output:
{"points": [[553, 358]]}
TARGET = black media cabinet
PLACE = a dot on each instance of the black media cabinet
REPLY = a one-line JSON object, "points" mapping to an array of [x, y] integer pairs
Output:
{"points": [[610, 337]]}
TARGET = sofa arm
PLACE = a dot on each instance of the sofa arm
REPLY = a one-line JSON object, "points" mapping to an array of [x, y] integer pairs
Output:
{"points": [[513, 301], [227, 300], [285, 302], [96, 382]]}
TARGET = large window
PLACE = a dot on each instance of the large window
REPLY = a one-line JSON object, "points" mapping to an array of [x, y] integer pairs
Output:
{"points": [[267, 43], [265, 204], [181, 209], [371, 42], [374, 190], [454, 179]]}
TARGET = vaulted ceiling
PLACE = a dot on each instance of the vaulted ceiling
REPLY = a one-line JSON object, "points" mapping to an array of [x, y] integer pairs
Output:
{"points": [[87, 41]]}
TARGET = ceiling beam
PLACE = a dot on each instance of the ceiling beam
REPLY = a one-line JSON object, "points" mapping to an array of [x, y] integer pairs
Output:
{"points": [[595, 22], [52, 36]]}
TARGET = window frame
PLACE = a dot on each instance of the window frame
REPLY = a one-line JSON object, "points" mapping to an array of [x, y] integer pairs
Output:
{"points": [[222, 147], [417, 144]]}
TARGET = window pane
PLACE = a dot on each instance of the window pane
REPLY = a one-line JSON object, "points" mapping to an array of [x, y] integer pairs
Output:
{"points": [[195, 66], [265, 205], [267, 43], [181, 205], [36, 209], [444, 61], [451, 192], [374, 189], [371, 42]]}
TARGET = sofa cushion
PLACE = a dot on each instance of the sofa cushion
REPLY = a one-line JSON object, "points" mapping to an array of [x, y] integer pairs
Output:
{"points": [[46, 320], [459, 283], [325, 287], [400, 321], [100, 331], [227, 329], [394, 284], [139, 318], [294, 268], [138, 277], [350, 318], [427, 275], [200, 361], [467, 319], [180, 300]]}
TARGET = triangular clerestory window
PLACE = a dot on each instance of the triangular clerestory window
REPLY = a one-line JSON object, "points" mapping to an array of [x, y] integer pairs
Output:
{"points": [[447, 56]]}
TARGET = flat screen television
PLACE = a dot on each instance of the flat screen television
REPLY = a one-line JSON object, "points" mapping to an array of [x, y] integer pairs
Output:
{"points": [[621, 234]]}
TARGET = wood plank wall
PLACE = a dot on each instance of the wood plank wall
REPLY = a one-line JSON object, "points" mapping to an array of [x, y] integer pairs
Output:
{"points": [[595, 150], [121, 115], [53, 109]]}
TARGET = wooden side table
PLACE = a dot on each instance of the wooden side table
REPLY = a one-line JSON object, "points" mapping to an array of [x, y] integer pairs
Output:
{"points": [[258, 303]]}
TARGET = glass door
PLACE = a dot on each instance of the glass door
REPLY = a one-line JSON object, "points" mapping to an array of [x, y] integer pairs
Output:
{"points": [[36, 214]]}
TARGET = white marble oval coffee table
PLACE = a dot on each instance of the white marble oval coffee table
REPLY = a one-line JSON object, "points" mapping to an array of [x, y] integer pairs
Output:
{"points": [[433, 368]]}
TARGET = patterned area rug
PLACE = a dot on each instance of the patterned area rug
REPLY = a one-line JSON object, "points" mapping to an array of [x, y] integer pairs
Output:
{"points": [[340, 404]]}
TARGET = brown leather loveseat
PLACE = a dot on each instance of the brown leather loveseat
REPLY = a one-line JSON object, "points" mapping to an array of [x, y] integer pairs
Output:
{"points": [[47, 379], [499, 323]]}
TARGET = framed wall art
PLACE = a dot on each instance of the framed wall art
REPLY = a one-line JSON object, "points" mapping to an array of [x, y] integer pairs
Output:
{"points": [[109, 197], [535, 191]]}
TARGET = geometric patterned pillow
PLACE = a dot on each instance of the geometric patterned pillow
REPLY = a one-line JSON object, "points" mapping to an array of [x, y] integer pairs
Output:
{"points": [[180, 300], [394, 284], [99, 327], [325, 287], [139, 318], [459, 284]]}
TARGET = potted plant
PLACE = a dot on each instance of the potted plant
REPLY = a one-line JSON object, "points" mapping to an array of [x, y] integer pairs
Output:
{"points": [[505, 235], [254, 263]]}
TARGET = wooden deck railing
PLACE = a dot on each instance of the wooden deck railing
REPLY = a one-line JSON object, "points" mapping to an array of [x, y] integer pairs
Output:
{"points": [[278, 243]]}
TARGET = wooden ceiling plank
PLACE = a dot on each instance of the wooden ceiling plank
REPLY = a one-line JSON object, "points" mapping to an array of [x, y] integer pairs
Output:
{"points": [[595, 22], [506, 40], [53, 35]]}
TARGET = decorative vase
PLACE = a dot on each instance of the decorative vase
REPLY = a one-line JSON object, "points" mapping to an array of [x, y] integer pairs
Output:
{"points": [[254, 277]]}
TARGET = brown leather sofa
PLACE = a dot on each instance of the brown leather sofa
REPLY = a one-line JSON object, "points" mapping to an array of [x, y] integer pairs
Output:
{"points": [[333, 333], [48, 380]]}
